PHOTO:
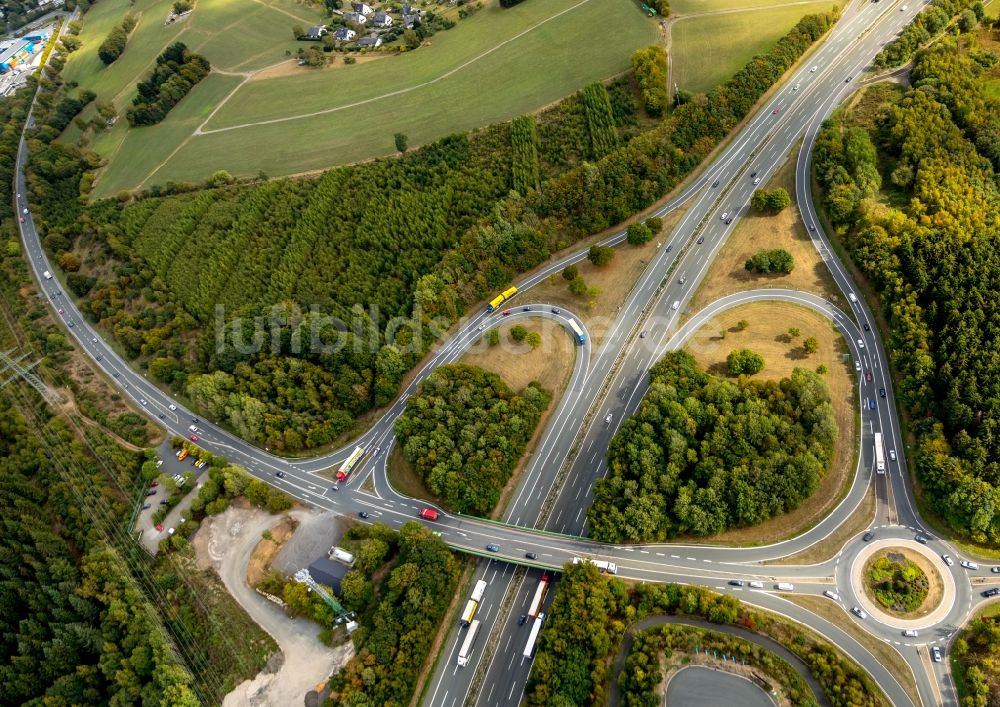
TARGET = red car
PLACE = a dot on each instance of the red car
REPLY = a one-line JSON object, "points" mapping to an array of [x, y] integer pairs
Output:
{"points": [[428, 514], [506, 312], [60, 310], [154, 483], [22, 219], [159, 527], [776, 110], [193, 438]]}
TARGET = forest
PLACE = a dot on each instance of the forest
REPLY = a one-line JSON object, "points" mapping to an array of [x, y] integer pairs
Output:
{"points": [[262, 303], [931, 20], [464, 432], [931, 255], [177, 71], [586, 622], [399, 610], [704, 454], [976, 650]]}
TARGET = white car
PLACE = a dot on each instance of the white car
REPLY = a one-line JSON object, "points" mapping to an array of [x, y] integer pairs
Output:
{"points": [[910, 633], [859, 612], [892, 455], [948, 561], [832, 595], [969, 565], [172, 406], [861, 344], [608, 418], [725, 214], [757, 180], [756, 585], [675, 305], [143, 401], [813, 70]]}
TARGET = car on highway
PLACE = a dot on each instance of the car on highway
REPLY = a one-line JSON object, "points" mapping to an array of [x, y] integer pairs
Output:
{"points": [[643, 334], [753, 174], [428, 514], [715, 183], [172, 406], [969, 565], [21, 219], [93, 339], [70, 323], [725, 215], [947, 560], [881, 392], [859, 612], [795, 87], [607, 419], [115, 374], [832, 595], [362, 514], [675, 305], [848, 79], [756, 585], [729, 220], [813, 70], [527, 309], [531, 556], [868, 536], [892, 455], [670, 247], [922, 539], [776, 110], [192, 428], [995, 570], [868, 376], [193, 438], [866, 327], [521, 619], [861, 343], [812, 227], [143, 401], [756, 180], [991, 592], [493, 547], [785, 586], [60, 310], [936, 654], [736, 582], [682, 279], [701, 240], [872, 404], [857, 365], [506, 313], [910, 633], [280, 474], [556, 310]]}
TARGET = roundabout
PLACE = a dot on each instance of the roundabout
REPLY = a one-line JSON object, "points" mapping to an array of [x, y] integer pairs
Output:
{"points": [[931, 609]]}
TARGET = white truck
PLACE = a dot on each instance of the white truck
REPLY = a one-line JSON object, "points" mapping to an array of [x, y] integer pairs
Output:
{"points": [[47, 275], [342, 555]]}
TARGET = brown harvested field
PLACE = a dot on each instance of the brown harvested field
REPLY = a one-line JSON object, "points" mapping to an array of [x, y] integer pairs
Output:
{"points": [[935, 585], [767, 334], [754, 232], [825, 549], [614, 281], [883, 652], [518, 364]]}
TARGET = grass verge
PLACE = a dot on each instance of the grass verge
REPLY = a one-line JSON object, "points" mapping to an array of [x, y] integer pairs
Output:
{"points": [[859, 521]]}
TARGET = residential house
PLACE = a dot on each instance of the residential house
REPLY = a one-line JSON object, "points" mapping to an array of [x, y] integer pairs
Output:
{"points": [[410, 20], [355, 17], [371, 41], [382, 19], [362, 8], [345, 34], [316, 32], [410, 10]]}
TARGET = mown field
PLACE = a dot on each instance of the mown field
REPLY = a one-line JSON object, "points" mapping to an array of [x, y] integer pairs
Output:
{"points": [[707, 50], [491, 67]]}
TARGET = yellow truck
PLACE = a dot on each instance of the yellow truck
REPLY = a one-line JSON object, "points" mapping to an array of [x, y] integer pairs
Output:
{"points": [[501, 298]]}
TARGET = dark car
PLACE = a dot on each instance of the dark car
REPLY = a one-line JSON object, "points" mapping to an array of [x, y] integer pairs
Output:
{"points": [[531, 555], [868, 536], [164, 502], [812, 227], [922, 539], [736, 582], [362, 514], [147, 506], [881, 392], [527, 309], [701, 240], [522, 619], [556, 310], [280, 474], [868, 376], [991, 592], [493, 548], [866, 327], [729, 220], [715, 183], [151, 492], [872, 404], [752, 175], [848, 79], [669, 248]]}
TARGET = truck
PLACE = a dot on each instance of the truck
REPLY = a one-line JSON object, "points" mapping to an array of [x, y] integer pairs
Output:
{"points": [[339, 553], [348, 466], [879, 454], [501, 298], [602, 565], [470, 638], [473, 604], [581, 338], [529, 648], [47, 275], [536, 603]]}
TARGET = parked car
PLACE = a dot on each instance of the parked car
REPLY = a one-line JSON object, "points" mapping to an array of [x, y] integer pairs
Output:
{"points": [[164, 502], [159, 527], [151, 492], [154, 483], [729, 220], [147, 506]]}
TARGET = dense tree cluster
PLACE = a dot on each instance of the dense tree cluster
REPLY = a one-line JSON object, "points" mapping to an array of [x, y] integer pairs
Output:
{"points": [[600, 121], [773, 200], [400, 611], [643, 674], [977, 649], [588, 618], [465, 430], [925, 26], [765, 261], [509, 3], [176, 72], [524, 154], [705, 454], [744, 362], [937, 269], [649, 66], [898, 584], [113, 46]]}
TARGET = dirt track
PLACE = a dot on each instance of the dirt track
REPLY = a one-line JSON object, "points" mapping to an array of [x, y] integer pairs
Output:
{"points": [[225, 542]]}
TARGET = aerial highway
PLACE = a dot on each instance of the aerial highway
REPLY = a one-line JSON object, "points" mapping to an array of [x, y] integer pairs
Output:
{"points": [[547, 513]]}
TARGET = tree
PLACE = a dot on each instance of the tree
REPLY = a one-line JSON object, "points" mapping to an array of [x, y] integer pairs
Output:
{"points": [[401, 142], [534, 339], [765, 262], [744, 361], [410, 39], [742, 325], [493, 337], [578, 286], [654, 224], [967, 21], [518, 333], [794, 332], [570, 272], [182, 6], [297, 31], [811, 345], [778, 199], [639, 233], [601, 255]]}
